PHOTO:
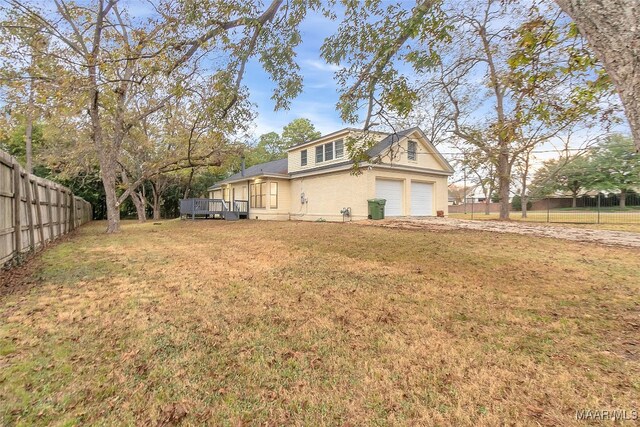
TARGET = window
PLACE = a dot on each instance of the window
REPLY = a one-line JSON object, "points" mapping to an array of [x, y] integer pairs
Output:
{"points": [[328, 151], [339, 149], [274, 196], [319, 154], [412, 147], [258, 194], [303, 158]]}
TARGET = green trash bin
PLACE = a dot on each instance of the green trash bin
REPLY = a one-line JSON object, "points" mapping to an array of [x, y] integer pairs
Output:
{"points": [[376, 208]]}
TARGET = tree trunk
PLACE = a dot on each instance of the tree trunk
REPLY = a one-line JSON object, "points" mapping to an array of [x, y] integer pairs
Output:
{"points": [[188, 189], [504, 183], [487, 205], [108, 168], [524, 199], [140, 203], [574, 201], [623, 198], [156, 209], [113, 209], [611, 27], [106, 157], [157, 201]]}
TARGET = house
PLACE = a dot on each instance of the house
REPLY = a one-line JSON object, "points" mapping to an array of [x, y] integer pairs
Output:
{"points": [[315, 180]]}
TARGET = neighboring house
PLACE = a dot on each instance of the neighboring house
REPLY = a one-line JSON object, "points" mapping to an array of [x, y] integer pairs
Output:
{"points": [[474, 193], [454, 198], [316, 181]]}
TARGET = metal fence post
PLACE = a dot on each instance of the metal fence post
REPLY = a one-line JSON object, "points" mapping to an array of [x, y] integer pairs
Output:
{"points": [[598, 205], [472, 203], [548, 214]]}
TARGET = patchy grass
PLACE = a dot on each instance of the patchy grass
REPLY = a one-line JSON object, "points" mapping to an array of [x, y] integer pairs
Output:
{"points": [[284, 323], [619, 221]]}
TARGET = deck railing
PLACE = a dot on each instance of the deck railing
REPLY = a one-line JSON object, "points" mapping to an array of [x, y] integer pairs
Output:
{"points": [[193, 207], [241, 206]]}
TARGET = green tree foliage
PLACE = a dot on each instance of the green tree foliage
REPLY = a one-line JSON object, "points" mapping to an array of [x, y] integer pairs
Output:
{"points": [[615, 165], [269, 147], [14, 142], [272, 146], [566, 176], [612, 166], [298, 131]]}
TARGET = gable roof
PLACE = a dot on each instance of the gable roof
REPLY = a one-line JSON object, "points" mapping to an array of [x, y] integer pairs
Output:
{"points": [[394, 138], [388, 141], [274, 167]]}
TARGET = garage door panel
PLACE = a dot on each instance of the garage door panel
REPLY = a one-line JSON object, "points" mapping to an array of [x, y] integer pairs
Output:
{"points": [[421, 199], [391, 191]]}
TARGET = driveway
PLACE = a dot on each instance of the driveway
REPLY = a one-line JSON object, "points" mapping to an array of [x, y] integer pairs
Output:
{"points": [[605, 237]]}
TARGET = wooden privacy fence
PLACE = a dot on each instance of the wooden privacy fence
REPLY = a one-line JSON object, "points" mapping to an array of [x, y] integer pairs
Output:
{"points": [[33, 210]]}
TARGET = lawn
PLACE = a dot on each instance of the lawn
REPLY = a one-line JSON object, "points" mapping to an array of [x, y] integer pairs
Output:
{"points": [[617, 221], [287, 323]]}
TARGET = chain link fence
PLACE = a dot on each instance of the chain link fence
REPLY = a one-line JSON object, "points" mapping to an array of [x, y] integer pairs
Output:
{"points": [[613, 208]]}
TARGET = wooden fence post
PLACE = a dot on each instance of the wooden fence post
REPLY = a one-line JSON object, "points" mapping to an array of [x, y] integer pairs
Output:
{"points": [[17, 197], [27, 192], [39, 215], [72, 220], [49, 212], [59, 210]]}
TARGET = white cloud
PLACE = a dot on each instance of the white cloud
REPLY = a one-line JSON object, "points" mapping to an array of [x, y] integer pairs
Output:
{"points": [[319, 65]]}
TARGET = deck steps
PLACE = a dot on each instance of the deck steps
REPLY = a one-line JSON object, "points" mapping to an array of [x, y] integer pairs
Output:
{"points": [[230, 216]]}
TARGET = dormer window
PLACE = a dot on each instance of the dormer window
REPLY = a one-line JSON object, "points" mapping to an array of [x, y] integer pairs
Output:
{"points": [[329, 151], [412, 148]]}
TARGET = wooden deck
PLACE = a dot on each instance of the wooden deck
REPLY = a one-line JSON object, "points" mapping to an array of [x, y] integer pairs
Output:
{"points": [[214, 209]]}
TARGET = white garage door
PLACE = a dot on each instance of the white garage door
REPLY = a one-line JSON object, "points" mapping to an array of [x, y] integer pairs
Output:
{"points": [[392, 192], [421, 199]]}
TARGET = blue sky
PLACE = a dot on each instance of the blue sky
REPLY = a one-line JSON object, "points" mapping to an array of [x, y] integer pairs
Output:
{"points": [[319, 97]]}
